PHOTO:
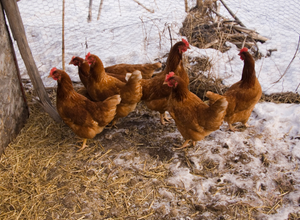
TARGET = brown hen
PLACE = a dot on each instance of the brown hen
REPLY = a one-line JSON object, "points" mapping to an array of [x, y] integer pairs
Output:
{"points": [[86, 118], [194, 119], [243, 95], [100, 85], [155, 94], [146, 69]]}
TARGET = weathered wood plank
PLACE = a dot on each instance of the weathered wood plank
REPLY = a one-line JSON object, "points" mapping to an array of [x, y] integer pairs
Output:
{"points": [[16, 25]]}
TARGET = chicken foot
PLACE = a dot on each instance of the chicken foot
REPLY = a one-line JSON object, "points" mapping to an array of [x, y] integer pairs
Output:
{"points": [[164, 118], [233, 128], [185, 144], [83, 145]]}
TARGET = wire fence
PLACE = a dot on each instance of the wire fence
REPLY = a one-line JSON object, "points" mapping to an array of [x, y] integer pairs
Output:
{"points": [[132, 31], [138, 31]]}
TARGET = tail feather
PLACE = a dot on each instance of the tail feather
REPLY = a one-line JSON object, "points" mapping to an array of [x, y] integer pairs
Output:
{"points": [[135, 76], [220, 105], [112, 101], [213, 97], [217, 112], [156, 65]]}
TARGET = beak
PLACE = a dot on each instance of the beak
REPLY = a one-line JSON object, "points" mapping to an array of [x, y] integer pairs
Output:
{"points": [[49, 76], [165, 82]]}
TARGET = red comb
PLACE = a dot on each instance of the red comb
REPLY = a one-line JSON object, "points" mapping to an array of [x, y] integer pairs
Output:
{"points": [[185, 42], [169, 76], [52, 70], [87, 56], [244, 49], [73, 57]]}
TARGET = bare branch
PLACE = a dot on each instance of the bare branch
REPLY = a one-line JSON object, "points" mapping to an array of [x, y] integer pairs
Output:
{"points": [[150, 10], [232, 14], [290, 62], [100, 8]]}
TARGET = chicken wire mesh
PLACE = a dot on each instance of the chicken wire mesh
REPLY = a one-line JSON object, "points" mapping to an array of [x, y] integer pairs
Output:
{"points": [[110, 34], [138, 31], [277, 21]]}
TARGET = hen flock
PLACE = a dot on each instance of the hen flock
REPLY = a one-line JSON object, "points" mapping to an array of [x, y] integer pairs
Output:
{"points": [[113, 92]]}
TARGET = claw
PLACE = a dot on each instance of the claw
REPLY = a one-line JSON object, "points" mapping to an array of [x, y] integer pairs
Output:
{"points": [[83, 145], [185, 144], [164, 118]]}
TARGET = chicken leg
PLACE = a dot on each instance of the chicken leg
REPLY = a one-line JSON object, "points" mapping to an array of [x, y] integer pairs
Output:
{"points": [[164, 118], [185, 144], [83, 145]]}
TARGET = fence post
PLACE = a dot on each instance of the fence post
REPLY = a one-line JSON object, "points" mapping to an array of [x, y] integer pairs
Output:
{"points": [[63, 35]]}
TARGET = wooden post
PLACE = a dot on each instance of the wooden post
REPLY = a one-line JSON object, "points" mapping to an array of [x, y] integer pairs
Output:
{"points": [[15, 22], [89, 19], [63, 35], [99, 10]]}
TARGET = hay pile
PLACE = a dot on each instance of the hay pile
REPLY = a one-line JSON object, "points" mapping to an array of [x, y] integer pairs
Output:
{"points": [[205, 28], [42, 176], [283, 97]]}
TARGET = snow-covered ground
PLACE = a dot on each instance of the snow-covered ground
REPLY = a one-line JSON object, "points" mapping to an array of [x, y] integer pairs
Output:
{"points": [[126, 32]]}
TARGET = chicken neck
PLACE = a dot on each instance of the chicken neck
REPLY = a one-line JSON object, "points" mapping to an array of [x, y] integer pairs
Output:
{"points": [[97, 71], [64, 87], [248, 76]]}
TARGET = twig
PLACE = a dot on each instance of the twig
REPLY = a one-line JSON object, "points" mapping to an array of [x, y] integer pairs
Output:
{"points": [[274, 207], [289, 63], [217, 18], [232, 14], [211, 44], [100, 8], [217, 13], [186, 5], [170, 36], [145, 217], [151, 11], [250, 32], [90, 11], [297, 87]]}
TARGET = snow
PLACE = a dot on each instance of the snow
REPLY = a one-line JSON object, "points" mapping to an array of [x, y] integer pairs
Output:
{"points": [[128, 33]]}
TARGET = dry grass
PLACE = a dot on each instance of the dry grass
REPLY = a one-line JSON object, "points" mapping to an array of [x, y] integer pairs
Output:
{"points": [[205, 29], [283, 97], [43, 177]]}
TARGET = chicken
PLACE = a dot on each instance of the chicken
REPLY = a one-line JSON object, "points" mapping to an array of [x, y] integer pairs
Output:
{"points": [[131, 93], [86, 118], [194, 119], [241, 96], [101, 85], [147, 69], [118, 71], [155, 94], [83, 69]]}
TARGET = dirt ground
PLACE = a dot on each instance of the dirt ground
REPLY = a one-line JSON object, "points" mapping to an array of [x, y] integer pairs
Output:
{"points": [[133, 172]]}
